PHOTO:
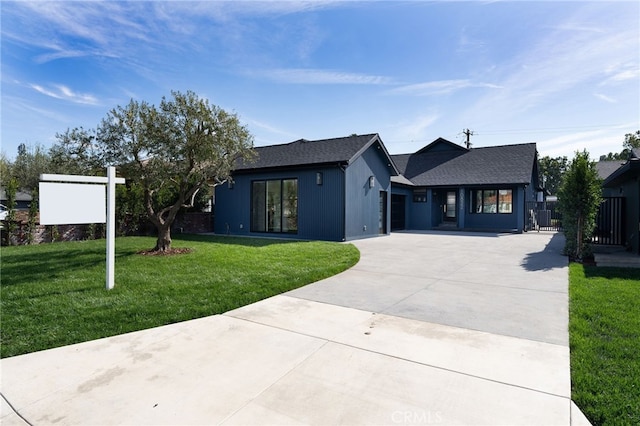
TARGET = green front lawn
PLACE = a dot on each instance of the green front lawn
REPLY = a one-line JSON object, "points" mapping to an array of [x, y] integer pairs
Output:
{"points": [[604, 328], [54, 294]]}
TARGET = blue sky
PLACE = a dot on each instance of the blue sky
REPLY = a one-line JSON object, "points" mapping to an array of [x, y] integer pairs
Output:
{"points": [[563, 74]]}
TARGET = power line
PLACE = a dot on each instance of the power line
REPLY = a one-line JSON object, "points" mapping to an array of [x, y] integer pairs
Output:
{"points": [[548, 129]]}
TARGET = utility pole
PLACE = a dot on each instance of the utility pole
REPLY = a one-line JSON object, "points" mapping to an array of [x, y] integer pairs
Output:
{"points": [[468, 133]]}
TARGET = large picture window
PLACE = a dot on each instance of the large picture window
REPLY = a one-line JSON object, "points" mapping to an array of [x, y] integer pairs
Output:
{"points": [[274, 205], [491, 201]]}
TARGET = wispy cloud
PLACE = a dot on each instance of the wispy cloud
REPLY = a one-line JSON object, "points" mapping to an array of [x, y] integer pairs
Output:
{"points": [[469, 43], [441, 87], [27, 109], [622, 74], [279, 133], [596, 142], [60, 91], [417, 128], [551, 69], [605, 98], [318, 76]]}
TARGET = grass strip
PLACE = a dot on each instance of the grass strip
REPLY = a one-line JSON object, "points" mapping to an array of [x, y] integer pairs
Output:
{"points": [[604, 330], [54, 294]]}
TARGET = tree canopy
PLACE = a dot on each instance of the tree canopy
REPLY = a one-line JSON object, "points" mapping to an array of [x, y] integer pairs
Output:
{"points": [[631, 141], [172, 152], [551, 171]]}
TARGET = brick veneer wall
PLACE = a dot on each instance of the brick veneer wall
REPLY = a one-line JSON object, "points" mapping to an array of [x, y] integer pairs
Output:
{"points": [[188, 223]]}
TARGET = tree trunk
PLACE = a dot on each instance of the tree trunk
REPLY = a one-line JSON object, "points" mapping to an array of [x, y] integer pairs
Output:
{"points": [[164, 238], [579, 237]]}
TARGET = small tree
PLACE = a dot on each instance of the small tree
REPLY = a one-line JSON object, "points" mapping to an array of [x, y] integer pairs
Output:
{"points": [[33, 216], [10, 221], [172, 152], [580, 196], [30, 162]]}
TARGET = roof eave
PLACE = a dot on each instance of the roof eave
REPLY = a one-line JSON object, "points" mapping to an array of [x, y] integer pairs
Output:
{"points": [[374, 139], [289, 167], [620, 175]]}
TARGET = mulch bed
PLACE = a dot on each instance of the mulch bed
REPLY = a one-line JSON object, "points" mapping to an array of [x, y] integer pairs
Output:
{"points": [[170, 252]]}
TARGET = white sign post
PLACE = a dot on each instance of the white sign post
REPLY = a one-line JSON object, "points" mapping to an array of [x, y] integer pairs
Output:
{"points": [[75, 202]]}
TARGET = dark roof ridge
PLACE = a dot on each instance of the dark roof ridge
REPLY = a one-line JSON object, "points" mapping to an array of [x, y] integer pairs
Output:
{"points": [[507, 144], [303, 140]]}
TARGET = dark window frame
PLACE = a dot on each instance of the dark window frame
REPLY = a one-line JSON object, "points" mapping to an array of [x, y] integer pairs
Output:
{"points": [[420, 195], [478, 198], [268, 225]]}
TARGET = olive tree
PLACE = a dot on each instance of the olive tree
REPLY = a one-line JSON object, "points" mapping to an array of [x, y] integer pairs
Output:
{"points": [[173, 151], [579, 198]]}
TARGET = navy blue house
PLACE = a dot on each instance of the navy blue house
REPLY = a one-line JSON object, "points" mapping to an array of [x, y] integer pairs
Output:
{"points": [[332, 189], [445, 185], [348, 188], [621, 181]]}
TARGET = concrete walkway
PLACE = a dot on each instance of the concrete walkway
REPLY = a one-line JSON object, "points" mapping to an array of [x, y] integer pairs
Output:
{"points": [[430, 328]]}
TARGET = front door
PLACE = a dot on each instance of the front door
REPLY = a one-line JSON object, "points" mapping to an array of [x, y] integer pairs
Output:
{"points": [[450, 207]]}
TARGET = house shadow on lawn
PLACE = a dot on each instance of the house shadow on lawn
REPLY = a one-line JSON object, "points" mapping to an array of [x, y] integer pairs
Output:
{"points": [[238, 240], [612, 272], [549, 258], [52, 264]]}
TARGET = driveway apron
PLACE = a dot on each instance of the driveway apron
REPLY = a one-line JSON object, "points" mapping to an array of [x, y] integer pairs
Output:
{"points": [[427, 328]]}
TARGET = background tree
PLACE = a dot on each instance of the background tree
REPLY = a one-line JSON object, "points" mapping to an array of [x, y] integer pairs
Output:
{"points": [[631, 141], [10, 225], [551, 171], [30, 162], [5, 169], [579, 198], [172, 152], [76, 153], [32, 216]]}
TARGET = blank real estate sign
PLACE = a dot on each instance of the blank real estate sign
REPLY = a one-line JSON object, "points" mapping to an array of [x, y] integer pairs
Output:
{"points": [[72, 203]]}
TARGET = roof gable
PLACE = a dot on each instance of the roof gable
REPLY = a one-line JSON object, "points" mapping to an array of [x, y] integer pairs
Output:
{"points": [[442, 144]]}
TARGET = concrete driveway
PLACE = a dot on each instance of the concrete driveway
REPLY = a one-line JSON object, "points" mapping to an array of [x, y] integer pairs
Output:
{"points": [[428, 328]]}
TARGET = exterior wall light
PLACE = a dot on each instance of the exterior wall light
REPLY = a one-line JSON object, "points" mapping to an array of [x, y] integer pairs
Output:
{"points": [[372, 182], [319, 178]]}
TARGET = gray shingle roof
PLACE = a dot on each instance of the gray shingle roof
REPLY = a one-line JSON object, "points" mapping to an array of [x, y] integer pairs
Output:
{"points": [[304, 152], [507, 164], [606, 168]]}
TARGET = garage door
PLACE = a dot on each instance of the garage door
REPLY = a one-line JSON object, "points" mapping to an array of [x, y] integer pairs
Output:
{"points": [[397, 212]]}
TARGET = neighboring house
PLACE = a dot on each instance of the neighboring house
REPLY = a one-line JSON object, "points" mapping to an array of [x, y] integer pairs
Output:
{"points": [[445, 185], [331, 189], [348, 188], [606, 169], [23, 199], [624, 182]]}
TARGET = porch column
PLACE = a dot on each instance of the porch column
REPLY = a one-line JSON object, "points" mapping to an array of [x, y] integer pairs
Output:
{"points": [[461, 207]]}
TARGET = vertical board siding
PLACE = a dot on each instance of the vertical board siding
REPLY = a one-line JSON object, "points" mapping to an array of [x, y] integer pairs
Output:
{"points": [[319, 206], [610, 222], [363, 203]]}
